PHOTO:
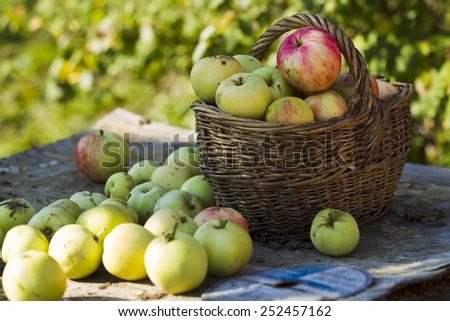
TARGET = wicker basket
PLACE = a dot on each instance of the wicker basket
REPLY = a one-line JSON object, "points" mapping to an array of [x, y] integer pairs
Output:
{"points": [[280, 175]]}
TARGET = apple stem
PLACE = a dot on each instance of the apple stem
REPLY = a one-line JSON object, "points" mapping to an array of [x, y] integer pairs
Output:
{"points": [[298, 43], [222, 224], [170, 236], [96, 236], [101, 132]]}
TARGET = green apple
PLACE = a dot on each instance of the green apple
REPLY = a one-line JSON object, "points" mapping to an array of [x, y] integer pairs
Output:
{"points": [[289, 110], [171, 176], [208, 72], [185, 156], [77, 250], [334, 232], [176, 262], [142, 171], [327, 104], [278, 86], [124, 249], [50, 219], [244, 95], [188, 203], [67, 206], [15, 211], [87, 199], [143, 198], [228, 246], [22, 238], [101, 153], [199, 185], [123, 206], [248, 62], [119, 185], [101, 220], [163, 220], [33, 276]]}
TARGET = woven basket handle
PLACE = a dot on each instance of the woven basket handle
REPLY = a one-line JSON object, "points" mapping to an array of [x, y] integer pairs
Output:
{"points": [[363, 100]]}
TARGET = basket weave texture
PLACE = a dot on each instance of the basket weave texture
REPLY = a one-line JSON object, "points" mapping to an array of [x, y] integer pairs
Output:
{"points": [[280, 175]]}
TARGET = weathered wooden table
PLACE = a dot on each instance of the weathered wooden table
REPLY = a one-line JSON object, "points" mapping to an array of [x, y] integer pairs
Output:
{"points": [[407, 251]]}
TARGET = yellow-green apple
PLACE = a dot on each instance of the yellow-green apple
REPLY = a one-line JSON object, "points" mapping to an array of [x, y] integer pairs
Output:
{"points": [[100, 153], [199, 185], [163, 220], [243, 94], [208, 72], [228, 246], [67, 206], [172, 175], [386, 88], [22, 238], [87, 199], [143, 198], [289, 110], [102, 219], [142, 171], [77, 251], [123, 206], [188, 203], [334, 232], [220, 213], [33, 276], [345, 85], [327, 104], [124, 249], [309, 59], [50, 219], [248, 62], [185, 156], [278, 86], [119, 185], [15, 211], [176, 262]]}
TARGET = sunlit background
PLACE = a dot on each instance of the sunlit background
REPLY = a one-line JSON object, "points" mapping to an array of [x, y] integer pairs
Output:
{"points": [[65, 64]]}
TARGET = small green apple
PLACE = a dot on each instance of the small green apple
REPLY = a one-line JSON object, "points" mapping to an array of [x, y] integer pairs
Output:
{"points": [[164, 219], [244, 95], [119, 185], [171, 176], [22, 238], [334, 232], [50, 219], [143, 198], [199, 185], [278, 86], [248, 62], [208, 72], [188, 203], [15, 211], [185, 156], [77, 250], [123, 206], [289, 110], [142, 171], [67, 206], [87, 199], [33, 276], [124, 249]]}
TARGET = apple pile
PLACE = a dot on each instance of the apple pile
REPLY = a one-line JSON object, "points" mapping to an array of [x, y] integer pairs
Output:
{"points": [[307, 84], [153, 221]]}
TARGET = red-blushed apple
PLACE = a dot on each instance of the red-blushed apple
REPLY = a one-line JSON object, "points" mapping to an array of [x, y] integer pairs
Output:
{"points": [[309, 59], [386, 88], [244, 95], [289, 110], [345, 84], [278, 86], [220, 213], [100, 153], [208, 72], [248, 62], [326, 105]]}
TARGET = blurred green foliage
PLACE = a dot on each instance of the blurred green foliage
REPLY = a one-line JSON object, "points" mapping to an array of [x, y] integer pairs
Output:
{"points": [[64, 64]]}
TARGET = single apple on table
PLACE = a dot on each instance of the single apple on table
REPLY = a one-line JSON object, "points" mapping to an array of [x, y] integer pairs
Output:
{"points": [[119, 185], [87, 199], [188, 203], [15, 211], [143, 198], [228, 246], [334, 232], [163, 220], [327, 104], [50, 219], [142, 171], [278, 86], [199, 185], [100, 153], [244, 95], [345, 85], [248, 62], [289, 110], [208, 72], [220, 213], [77, 250], [309, 59], [22, 238], [33, 276]]}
